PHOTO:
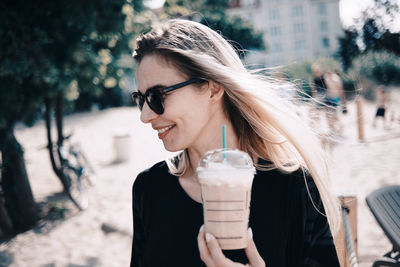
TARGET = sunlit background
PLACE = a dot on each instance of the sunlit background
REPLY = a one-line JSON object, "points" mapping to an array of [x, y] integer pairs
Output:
{"points": [[67, 74]]}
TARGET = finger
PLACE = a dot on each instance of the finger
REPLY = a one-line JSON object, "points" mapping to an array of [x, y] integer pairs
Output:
{"points": [[205, 255], [254, 257], [215, 250]]}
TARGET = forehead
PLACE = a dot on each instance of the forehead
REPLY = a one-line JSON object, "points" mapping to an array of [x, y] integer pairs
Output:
{"points": [[316, 68], [154, 70]]}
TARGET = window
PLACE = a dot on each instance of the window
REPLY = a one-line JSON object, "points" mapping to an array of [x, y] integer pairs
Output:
{"points": [[275, 31], [298, 28], [323, 26], [299, 44], [325, 42], [251, 16], [273, 14], [248, 3], [297, 11], [242, 3], [321, 8], [276, 48]]}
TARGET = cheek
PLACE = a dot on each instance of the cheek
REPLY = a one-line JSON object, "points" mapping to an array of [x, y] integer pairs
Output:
{"points": [[191, 117], [195, 120], [197, 108], [188, 105]]}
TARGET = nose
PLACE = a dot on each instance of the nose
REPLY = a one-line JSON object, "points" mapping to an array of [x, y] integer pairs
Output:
{"points": [[147, 114]]}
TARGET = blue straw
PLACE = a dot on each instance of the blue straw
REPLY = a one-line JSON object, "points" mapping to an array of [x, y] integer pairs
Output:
{"points": [[224, 139]]}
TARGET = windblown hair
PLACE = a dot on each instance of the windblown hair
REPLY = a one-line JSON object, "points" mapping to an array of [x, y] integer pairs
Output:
{"points": [[266, 125]]}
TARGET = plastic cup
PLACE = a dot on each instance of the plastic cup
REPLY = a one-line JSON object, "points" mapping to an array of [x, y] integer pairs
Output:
{"points": [[226, 177]]}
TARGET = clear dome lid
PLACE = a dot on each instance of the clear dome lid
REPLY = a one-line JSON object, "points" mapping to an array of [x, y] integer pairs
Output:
{"points": [[231, 158]]}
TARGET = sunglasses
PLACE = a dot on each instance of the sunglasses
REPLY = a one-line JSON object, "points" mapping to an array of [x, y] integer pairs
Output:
{"points": [[154, 97]]}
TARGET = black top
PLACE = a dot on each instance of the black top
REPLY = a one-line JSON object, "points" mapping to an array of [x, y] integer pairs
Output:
{"points": [[320, 85], [287, 229]]}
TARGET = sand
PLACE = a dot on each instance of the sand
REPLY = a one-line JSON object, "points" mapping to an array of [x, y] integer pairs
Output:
{"points": [[101, 235]]}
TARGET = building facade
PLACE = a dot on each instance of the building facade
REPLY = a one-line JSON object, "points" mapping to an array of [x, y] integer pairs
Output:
{"points": [[293, 29]]}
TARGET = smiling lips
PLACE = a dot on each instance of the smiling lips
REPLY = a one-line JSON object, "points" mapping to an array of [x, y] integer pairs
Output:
{"points": [[162, 133]]}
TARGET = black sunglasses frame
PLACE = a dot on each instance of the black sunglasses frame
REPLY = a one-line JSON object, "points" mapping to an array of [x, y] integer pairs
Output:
{"points": [[154, 96]]}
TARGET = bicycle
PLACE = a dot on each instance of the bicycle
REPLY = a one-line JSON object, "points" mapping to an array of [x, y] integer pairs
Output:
{"points": [[69, 163], [77, 170]]}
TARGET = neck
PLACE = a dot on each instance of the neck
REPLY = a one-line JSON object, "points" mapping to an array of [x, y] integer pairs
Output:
{"points": [[213, 141]]}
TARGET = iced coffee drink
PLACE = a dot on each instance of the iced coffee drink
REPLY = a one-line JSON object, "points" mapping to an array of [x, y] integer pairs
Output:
{"points": [[226, 178]]}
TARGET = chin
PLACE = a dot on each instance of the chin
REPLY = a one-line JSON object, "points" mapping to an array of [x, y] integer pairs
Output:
{"points": [[172, 148]]}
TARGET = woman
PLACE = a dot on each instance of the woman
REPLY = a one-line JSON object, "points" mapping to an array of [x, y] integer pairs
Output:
{"points": [[382, 103], [190, 82]]}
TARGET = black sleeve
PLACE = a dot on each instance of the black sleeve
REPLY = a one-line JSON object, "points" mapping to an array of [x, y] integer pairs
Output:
{"points": [[139, 236], [319, 248]]}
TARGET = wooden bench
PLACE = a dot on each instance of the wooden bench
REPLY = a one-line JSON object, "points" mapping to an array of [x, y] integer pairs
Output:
{"points": [[348, 202]]}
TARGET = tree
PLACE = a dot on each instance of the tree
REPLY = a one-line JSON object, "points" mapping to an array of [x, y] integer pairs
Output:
{"points": [[379, 67], [373, 31], [239, 32], [212, 13], [348, 48], [376, 38], [51, 48]]}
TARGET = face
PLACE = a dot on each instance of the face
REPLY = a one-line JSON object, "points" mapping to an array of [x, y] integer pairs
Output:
{"points": [[317, 71], [186, 110]]}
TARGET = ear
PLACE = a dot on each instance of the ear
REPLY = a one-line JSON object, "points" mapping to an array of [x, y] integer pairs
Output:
{"points": [[216, 91]]}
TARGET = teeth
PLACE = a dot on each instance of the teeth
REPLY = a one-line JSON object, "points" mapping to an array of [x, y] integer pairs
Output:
{"points": [[165, 129]]}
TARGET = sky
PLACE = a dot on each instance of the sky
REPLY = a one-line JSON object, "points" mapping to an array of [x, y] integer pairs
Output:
{"points": [[154, 4], [349, 9]]}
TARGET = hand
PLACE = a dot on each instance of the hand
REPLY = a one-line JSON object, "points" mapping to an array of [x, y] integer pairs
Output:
{"points": [[211, 253]]}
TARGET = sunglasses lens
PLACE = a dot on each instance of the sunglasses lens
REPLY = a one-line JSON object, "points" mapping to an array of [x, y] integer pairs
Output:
{"points": [[138, 99], [155, 101]]}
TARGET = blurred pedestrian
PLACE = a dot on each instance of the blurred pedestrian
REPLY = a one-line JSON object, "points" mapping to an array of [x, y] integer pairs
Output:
{"points": [[318, 86], [339, 83], [334, 97], [328, 93], [382, 100]]}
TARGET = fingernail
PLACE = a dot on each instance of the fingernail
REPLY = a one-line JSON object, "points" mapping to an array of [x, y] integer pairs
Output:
{"points": [[250, 233], [201, 228], [209, 237]]}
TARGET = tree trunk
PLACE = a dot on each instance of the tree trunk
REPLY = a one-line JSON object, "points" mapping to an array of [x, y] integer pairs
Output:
{"points": [[59, 118], [18, 197], [6, 226]]}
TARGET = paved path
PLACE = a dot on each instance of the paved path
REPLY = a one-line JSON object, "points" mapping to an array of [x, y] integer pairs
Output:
{"points": [[101, 235]]}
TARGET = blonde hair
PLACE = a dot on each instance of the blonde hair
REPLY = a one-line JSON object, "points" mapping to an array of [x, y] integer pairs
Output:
{"points": [[267, 127]]}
